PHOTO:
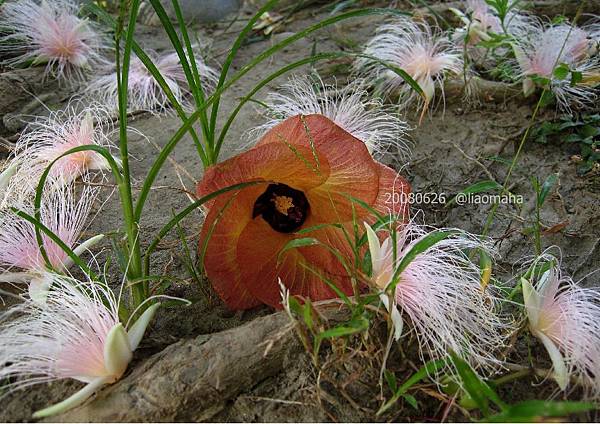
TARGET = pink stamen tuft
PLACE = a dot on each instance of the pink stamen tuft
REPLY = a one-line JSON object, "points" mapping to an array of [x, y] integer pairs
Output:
{"points": [[569, 315], [426, 55], [47, 139], [441, 292], [51, 33], [61, 213], [63, 338]]}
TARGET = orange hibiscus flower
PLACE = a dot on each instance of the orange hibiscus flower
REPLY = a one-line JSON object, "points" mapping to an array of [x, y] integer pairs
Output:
{"points": [[306, 166]]}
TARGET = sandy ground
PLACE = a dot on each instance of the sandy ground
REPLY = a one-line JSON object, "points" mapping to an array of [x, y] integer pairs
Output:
{"points": [[452, 150]]}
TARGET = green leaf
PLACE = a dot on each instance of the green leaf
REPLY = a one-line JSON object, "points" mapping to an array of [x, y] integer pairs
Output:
{"points": [[545, 189], [536, 410], [307, 315], [561, 71], [391, 380], [354, 326], [576, 78], [426, 370], [477, 389], [412, 401], [297, 243], [547, 98], [573, 138], [479, 187], [589, 131], [295, 306]]}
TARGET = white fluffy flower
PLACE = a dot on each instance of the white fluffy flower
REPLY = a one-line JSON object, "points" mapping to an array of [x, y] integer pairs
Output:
{"points": [[565, 317], [349, 106], [440, 291], [21, 260], [47, 139], [144, 92], [426, 54], [540, 49], [76, 334], [51, 32]]}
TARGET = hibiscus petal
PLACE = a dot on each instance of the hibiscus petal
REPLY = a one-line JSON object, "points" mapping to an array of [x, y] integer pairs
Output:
{"points": [[220, 261], [392, 198], [270, 163], [260, 270]]}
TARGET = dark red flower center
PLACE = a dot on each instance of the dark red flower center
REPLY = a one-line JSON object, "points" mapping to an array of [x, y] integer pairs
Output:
{"points": [[284, 208]]}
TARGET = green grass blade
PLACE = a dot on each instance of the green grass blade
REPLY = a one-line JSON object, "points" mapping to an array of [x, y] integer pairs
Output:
{"points": [[183, 59], [237, 44], [425, 371], [141, 54], [537, 410]]}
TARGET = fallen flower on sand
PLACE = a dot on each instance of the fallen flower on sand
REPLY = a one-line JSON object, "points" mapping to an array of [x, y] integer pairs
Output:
{"points": [[144, 92], [441, 293], [19, 249], [51, 33], [75, 334], [47, 140], [566, 319], [307, 168], [424, 53]]}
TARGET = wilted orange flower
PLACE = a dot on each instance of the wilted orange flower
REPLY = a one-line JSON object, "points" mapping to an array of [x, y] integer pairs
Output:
{"points": [[308, 165]]}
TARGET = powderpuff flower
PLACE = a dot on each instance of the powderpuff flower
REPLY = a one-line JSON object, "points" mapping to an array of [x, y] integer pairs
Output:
{"points": [[144, 93], [350, 107], [440, 291], [426, 55], [306, 171], [566, 319], [539, 50], [479, 21], [76, 334], [21, 260], [49, 138], [50, 32]]}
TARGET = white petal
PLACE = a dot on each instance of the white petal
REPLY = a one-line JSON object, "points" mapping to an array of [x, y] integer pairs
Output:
{"points": [[137, 330], [117, 351], [74, 400], [397, 321], [374, 249], [39, 287], [428, 87], [89, 243], [528, 87], [532, 302], [7, 174], [561, 374]]}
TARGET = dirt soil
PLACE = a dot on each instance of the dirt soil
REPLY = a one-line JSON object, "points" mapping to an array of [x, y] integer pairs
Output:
{"points": [[454, 147]]}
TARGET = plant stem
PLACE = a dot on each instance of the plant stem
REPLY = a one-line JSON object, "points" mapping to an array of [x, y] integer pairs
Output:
{"points": [[511, 377], [491, 215], [139, 291]]}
